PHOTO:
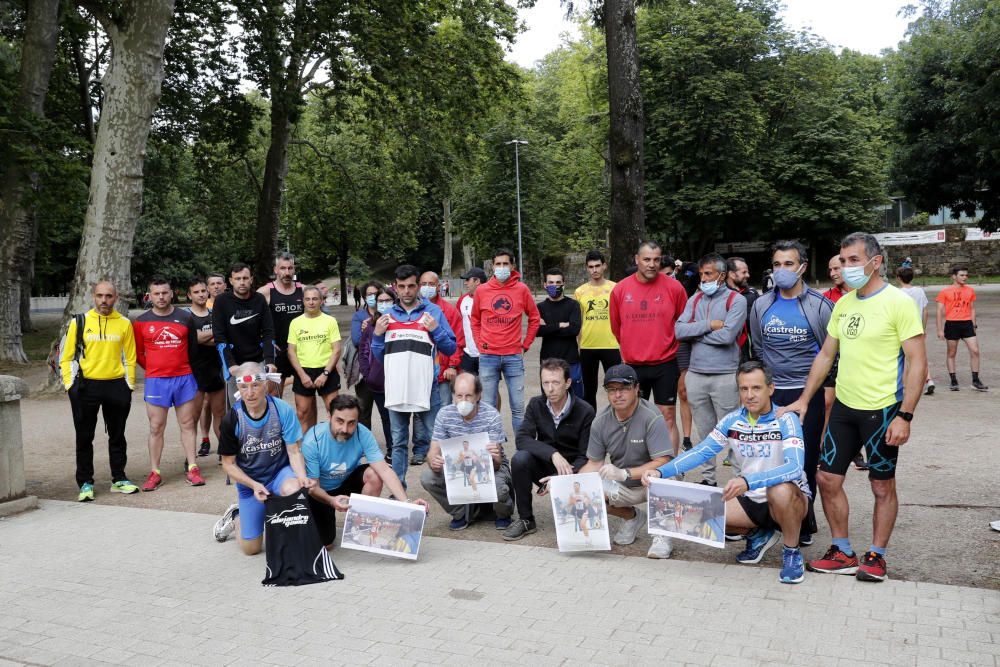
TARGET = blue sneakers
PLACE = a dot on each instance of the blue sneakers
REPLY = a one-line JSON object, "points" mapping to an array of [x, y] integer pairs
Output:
{"points": [[758, 542], [792, 566], [458, 524]]}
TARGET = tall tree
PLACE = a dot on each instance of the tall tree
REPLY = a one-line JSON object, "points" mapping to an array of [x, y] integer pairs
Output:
{"points": [[18, 225]]}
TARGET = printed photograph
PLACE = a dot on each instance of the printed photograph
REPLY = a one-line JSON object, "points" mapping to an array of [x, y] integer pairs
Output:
{"points": [[692, 512], [579, 513], [468, 469], [383, 526]]}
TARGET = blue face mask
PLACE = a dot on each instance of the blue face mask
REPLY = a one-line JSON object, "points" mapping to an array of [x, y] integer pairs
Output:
{"points": [[554, 291], [502, 273], [785, 279], [708, 289], [384, 308], [428, 291], [370, 300], [854, 276]]}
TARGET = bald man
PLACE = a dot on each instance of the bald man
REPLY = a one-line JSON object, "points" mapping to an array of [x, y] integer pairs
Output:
{"points": [[98, 371], [448, 366]]}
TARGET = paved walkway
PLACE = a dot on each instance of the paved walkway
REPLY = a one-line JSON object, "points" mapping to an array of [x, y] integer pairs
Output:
{"points": [[86, 584]]}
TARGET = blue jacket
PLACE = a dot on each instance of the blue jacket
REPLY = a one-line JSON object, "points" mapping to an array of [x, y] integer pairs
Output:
{"points": [[443, 336], [814, 306]]}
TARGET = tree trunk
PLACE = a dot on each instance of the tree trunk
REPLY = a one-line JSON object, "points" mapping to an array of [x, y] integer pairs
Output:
{"points": [[271, 192], [446, 265], [131, 92], [342, 253], [17, 220], [83, 89], [626, 134], [467, 255]]}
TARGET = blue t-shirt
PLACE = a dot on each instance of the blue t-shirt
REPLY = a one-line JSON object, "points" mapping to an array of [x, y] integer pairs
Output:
{"points": [[263, 453], [789, 345], [330, 461]]}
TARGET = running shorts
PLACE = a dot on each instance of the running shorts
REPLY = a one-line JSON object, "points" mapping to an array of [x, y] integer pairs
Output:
{"points": [[958, 330], [252, 510], [660, 380], [332, 383], [170, 392], [851, 430]]}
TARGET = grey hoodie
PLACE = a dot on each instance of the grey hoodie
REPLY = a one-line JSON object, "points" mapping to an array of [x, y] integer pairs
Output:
{"points": [[713, 352]]}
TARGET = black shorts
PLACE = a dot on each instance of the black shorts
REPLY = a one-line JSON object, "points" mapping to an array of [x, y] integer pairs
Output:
{"points": [[831, 378], [470, 364], [850, 430], [759, 513], [332, 383], [958, 330], [209, 379], [660, 380], [283, 365], [325, 515]]}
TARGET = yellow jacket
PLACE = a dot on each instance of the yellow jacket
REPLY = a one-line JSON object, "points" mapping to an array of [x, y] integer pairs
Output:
{"points": [[108, 353]]}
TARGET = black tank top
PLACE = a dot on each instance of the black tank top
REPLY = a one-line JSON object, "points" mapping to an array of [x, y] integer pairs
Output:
{"points": [[295, 554], [284, 309], [204, 358]]}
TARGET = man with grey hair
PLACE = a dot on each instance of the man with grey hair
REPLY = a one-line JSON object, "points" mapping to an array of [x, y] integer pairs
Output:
{"points": [[882, 368], [712, 323], [284, 299]]}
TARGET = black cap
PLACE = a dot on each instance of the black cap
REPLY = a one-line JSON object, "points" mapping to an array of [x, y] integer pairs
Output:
{"points": [[622, 374], [474, 272]]}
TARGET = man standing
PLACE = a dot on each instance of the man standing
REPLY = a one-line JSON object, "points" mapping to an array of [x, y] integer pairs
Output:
{"points": [[216, 283], [956, 320], [97, 365], [839, 288], [206, 366], [559, 326], [473, 278], [407, 341], [789, 326], [241, 323], [633, 436], [165, 337], [644, 311], [284, 299], [712, 322], [333, 453], [905, 276], [448, 365], [469, 414], [771, 494], [497, 312], [598, 345], [313, 352], [260, 452], [552, 440], [738, 280], [875, 328]]}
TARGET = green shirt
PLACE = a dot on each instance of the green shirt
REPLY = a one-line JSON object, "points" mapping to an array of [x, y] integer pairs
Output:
{"points": [[871, 331], [313, 338]]}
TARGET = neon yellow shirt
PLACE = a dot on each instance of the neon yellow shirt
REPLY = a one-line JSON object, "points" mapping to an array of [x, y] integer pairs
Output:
{"points": [[594, 306], [313, 338], [871, 331], [108, 353]]}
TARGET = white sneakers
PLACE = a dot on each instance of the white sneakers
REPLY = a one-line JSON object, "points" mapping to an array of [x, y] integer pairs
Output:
{"points": [[995, 525], [630, 528], [661, 547], [226, 524]]}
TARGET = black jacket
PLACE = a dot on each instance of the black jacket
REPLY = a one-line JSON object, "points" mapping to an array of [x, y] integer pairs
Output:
{"points": [[538, 433], [560, 342], [244, 328]]}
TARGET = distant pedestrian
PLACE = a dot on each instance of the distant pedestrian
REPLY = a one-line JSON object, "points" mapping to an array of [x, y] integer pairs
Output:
{"points": [[956, 320]]}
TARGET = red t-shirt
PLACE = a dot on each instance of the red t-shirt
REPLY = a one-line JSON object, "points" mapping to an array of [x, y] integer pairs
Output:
{"points": [[163, 343], [643, 317], [834, 293], [957, 300]]}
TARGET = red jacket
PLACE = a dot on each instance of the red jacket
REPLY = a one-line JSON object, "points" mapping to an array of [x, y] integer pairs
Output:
{"points": [[643, 317], [496, 316], [455, 322]]}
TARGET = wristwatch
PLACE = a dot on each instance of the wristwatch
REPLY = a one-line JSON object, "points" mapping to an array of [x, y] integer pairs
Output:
{"points": [[905, 416], [326, 372]]}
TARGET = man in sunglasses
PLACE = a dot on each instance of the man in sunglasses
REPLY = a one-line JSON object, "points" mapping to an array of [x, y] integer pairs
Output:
{"points": [[260, 451]]}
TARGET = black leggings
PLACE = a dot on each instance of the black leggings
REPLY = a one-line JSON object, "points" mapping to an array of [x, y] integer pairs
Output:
{"points": [[589, 360]]}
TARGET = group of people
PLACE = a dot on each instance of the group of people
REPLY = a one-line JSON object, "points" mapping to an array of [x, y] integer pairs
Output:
{"points": [[746, 368]]}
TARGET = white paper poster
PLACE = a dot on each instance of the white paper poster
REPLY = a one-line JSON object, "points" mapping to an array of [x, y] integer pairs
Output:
{"points": [[976, 234], [692, 512], [579, 512], [468, 469], [383, 526], [911, 238]]}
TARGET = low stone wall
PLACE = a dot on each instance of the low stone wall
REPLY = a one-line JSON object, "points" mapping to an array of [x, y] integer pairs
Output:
{"points": [[982, 257]]}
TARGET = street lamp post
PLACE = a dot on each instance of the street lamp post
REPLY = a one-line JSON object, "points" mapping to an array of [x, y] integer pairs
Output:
{"points": [[517, 180]]}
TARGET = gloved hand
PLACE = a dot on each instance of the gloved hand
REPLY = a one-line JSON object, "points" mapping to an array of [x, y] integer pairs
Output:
{"points": [[609, 471]]}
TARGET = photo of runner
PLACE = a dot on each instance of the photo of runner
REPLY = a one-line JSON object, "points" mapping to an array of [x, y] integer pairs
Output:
{"points": [[693, 512], [579, 512], [468, 469], [383, 526]]}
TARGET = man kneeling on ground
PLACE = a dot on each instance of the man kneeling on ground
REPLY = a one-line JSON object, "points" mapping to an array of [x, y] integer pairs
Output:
{"points": [[333, 453], [771, 494], [466, 415], [632, 434], [552, 440], [259, 445]]}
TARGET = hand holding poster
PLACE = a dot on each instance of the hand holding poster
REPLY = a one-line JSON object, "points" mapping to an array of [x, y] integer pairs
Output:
{"points": [[468, 469], [692, 512], [383, 526], [579, 512]]}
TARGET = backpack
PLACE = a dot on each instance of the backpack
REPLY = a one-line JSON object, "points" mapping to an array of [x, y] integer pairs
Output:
{"points": [[55, 353], [351, 363], [742, 339]]}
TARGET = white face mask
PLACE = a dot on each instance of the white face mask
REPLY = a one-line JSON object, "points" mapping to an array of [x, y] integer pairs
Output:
{"points": [[428, 291], [465, 408]]}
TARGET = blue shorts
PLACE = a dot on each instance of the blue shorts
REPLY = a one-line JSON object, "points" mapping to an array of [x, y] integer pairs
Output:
{"points": [[171, 392], [252, 510]]}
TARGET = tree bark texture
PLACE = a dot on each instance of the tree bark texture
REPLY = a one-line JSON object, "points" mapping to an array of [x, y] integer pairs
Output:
{"points": [[446, 265], [343, 251], [17, 217], [131, 85], [271, 192], [628, 227]]}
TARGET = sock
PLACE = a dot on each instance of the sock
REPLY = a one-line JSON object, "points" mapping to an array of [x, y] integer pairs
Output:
{"points": [[156, 470], [879, 550], [844, 544], [954, 380], [204, 440], [192, 465], [975, 377], [788, 549]]}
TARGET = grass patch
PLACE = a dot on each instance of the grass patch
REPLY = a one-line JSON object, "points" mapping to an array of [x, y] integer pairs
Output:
{"points": [[36, 345]]}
